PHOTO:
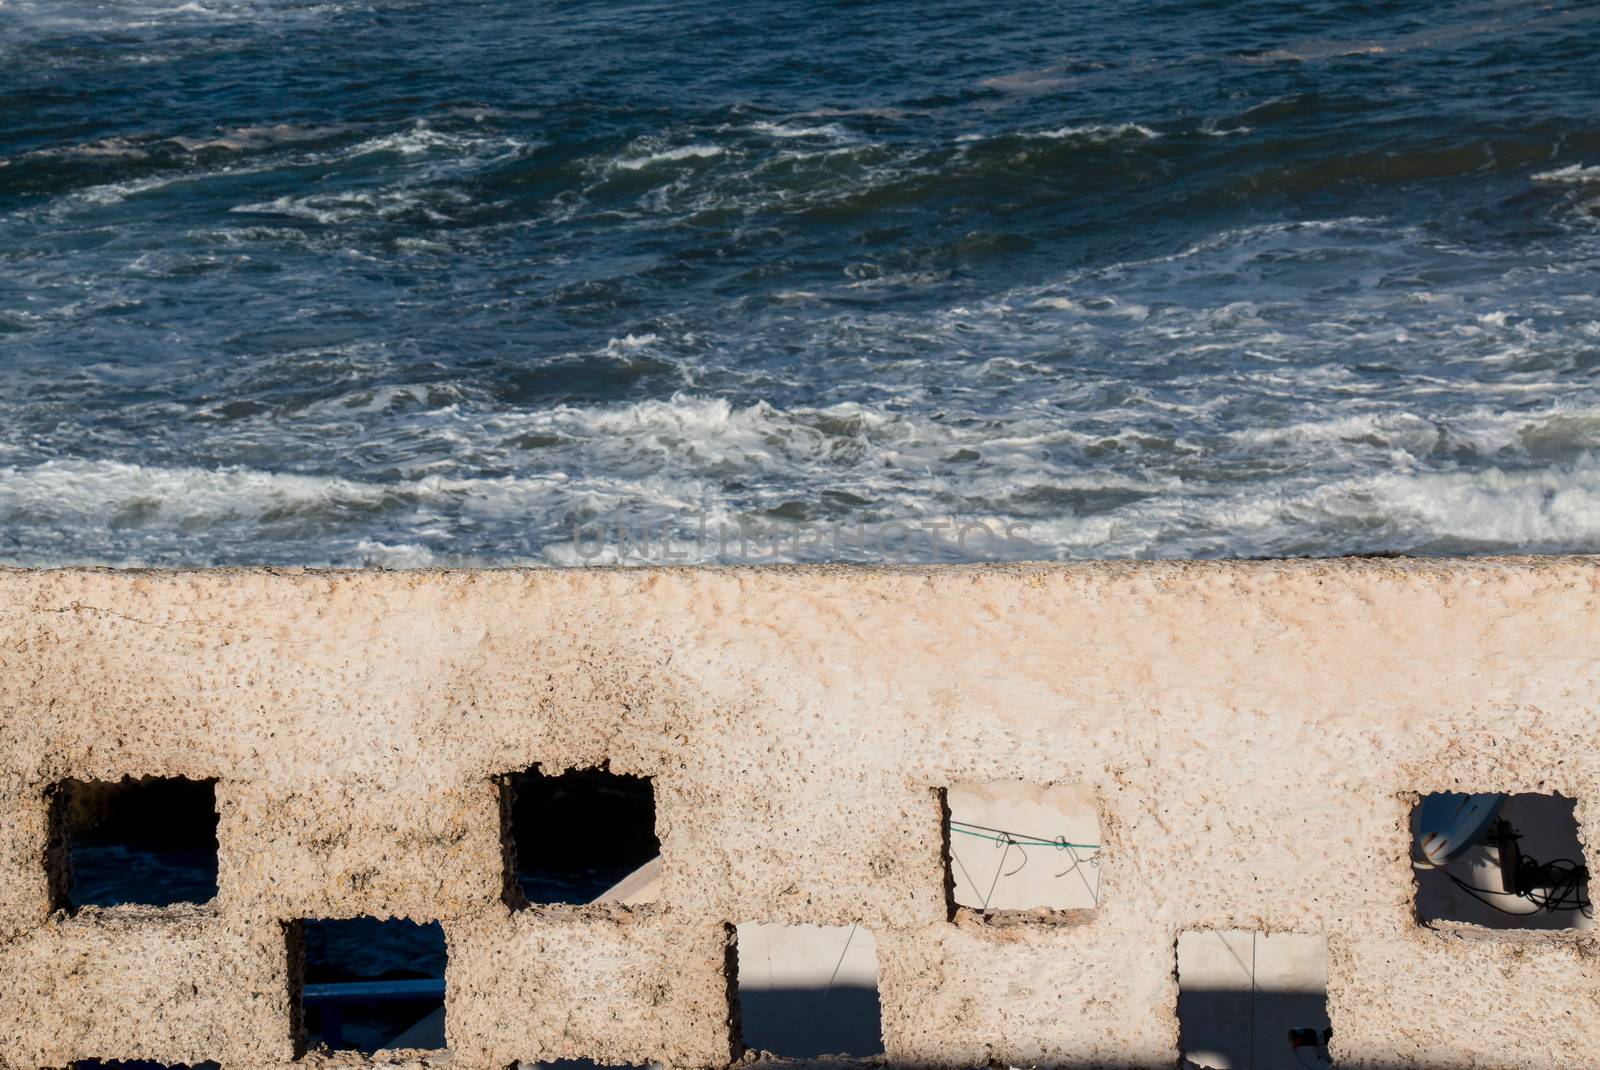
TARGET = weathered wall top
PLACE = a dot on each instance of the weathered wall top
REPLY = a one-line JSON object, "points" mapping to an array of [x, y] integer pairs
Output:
{"points": [[1254, 735]]}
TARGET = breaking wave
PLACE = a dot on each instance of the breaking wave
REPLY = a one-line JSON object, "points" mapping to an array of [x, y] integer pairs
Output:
{"points": [[1308, 293]]}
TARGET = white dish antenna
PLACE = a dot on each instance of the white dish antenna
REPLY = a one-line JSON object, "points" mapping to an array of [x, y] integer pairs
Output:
{"points": [[1452, 822]]}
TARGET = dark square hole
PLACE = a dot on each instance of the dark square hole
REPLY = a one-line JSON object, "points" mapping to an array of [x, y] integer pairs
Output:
{"points": [[576, 835], [370, 984], [149, 840], [1500, 861]]}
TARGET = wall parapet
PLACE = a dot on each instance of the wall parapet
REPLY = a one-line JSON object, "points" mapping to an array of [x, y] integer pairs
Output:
{"points": [[1254, 736]]}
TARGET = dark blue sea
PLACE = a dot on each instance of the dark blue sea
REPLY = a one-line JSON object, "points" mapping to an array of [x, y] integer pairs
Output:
{"points": [[411, 283]]}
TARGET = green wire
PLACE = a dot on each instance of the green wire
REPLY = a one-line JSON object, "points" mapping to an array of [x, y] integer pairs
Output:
{"points": [[1024, 841]]}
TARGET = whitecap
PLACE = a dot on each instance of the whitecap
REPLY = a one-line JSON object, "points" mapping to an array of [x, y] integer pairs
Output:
{"points": [[1553, 506], [1092, 132], [781, 131], [1100, 131], [683, 152], [91, 494], [112, 193], [332, 208], [1572, 175], [627, 344], [377, 554]]}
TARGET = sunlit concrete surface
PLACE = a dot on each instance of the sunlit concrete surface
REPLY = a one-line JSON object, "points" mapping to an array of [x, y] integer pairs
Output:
{"points": [[1254, 737]]}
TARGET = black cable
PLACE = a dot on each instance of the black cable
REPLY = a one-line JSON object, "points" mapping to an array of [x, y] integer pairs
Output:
{"points": [[1551, 883], [1544, 902], [1550, 887], [1470, 890]]}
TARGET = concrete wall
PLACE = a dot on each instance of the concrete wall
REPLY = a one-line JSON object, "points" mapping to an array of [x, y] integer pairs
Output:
{"points": [[1253, 735]]}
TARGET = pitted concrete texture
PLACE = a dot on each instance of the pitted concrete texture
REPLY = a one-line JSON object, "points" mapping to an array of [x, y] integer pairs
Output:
{"points": [[180, 985], [619, 985], [894, 845], [1253, 735], [1058, 995], [1502, 990], [26, 892], [339, 849]]}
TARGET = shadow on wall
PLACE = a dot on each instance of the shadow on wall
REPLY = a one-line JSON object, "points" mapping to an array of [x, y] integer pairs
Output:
{"points": [[803, 1023], [1253, 1001], [1229, 1029], [838, 1064], [809, 990]]}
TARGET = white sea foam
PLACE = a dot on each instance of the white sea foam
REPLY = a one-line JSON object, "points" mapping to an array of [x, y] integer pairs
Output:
{"points": [[419, 139], [457, 154], [373, 553], [1549, 507], [1100, 131], [333, 208], [1283, 387], [1572, 175], [871, 113], [682, 152], [113, 193], [629, 343], [781, 130], [95, 493], [673, 455], [1091, 132]]}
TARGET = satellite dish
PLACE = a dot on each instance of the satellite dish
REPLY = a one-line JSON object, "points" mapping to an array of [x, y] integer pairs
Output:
{"points": [[1451, 822]]}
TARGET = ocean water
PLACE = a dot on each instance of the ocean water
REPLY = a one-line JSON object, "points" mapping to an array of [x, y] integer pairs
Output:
{"points": [[408, 283]]}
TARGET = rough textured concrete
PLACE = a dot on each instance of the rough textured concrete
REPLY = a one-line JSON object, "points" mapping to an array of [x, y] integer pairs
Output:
{"points": [[610, 983], [1254, 736], [972, 994], [341, 849], [177, 985]]}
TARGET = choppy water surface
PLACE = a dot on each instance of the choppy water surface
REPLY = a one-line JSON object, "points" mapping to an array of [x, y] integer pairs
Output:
{"points": [[336, 282]]}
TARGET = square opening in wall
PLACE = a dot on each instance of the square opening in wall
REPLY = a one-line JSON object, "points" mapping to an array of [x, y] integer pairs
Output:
{"points": [[1020, 846], [150, 840], [583, 836], [1500, 861], [809, 990], [371, 985], [1253, 1000]]}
